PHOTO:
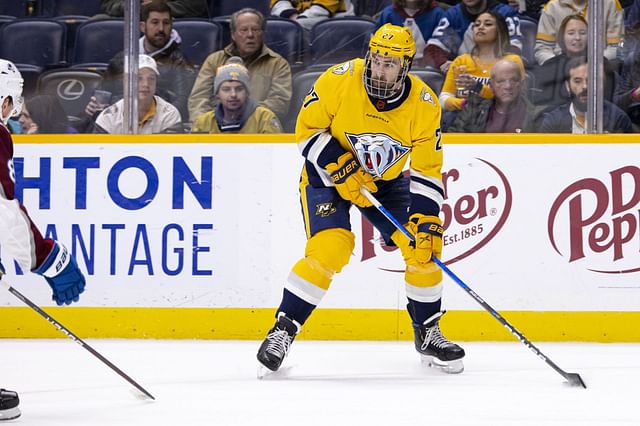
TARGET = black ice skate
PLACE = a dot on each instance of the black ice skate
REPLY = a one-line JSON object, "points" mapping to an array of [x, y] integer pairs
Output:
{"points": [[276, 346], [436, 350], [9, 405]]}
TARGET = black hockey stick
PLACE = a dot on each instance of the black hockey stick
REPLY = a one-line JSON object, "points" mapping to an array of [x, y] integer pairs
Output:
{"points": [[73, 337], [574, 379]]}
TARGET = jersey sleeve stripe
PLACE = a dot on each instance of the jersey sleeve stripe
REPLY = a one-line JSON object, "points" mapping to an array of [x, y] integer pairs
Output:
{"points": [[431, 182]]}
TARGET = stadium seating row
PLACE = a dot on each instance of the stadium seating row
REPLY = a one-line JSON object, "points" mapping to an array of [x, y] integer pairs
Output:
{"points": [[52, 8], [43, 43]]}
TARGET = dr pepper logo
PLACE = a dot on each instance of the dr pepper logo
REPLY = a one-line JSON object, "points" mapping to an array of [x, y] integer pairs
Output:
{"points": [[597, 222], [477, 203]]}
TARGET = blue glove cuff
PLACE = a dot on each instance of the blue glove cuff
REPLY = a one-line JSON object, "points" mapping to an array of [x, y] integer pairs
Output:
{"points": [[55, 262]]}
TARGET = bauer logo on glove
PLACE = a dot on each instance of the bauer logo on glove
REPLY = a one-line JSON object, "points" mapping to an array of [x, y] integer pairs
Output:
{"points": [[348, 177]]}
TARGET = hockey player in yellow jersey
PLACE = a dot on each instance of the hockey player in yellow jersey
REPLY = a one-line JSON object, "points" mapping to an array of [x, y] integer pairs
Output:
{"points": [[357, 128]]}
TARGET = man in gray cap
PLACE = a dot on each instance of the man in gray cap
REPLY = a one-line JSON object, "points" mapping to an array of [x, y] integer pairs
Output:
{"points": [[236, 111]]}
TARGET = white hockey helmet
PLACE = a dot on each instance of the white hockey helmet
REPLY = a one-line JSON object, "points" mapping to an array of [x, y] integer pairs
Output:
{"points": [[11, 83]]}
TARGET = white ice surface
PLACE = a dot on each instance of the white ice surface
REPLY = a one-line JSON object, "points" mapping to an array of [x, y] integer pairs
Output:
{"points": [[322, 383]]}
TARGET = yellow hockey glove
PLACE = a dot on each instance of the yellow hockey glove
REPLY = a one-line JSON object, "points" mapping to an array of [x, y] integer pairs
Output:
{"points": [[348, 177], [428, 233]]}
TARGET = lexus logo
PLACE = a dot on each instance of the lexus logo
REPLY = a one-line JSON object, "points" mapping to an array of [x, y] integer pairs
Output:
{"points": [[70, 89]]}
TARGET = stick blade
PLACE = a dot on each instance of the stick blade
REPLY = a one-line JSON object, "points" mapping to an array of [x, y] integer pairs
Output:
{"points": [[575, 380]]}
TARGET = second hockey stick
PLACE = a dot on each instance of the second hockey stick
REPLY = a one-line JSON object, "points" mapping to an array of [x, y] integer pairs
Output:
{"points": [[573, 379], [73, 337]]}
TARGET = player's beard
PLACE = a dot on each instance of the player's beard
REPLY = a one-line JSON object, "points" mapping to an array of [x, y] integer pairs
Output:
{"points": [[579, 101], [159, 40]]}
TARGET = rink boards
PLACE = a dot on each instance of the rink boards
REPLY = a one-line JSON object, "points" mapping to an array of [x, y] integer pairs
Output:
{"points": [[192, 236]]}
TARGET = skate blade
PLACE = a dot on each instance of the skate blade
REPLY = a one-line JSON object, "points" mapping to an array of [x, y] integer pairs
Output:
{"points": [[449, 367], [264, 373], [10, 414]]}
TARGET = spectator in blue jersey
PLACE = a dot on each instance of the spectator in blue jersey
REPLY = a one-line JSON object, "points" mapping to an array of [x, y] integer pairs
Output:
{"points": [[420, 16], [572, 117], [453, 36]]}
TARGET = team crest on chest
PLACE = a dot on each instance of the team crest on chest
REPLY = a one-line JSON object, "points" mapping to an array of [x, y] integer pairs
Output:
{"points": [[376, 152]]}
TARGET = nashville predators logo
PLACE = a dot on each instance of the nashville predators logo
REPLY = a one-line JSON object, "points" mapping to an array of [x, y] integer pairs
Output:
{"points": [[376, 152], [425, 96], [325, 209]]}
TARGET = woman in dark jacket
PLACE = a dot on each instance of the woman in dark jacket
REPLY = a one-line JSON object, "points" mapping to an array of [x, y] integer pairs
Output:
{"points": [[549, 77], [44, 114]]}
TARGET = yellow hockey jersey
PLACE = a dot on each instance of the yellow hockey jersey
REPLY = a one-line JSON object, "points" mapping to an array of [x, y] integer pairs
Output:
{"points": [[337, 115], [311, 8]]}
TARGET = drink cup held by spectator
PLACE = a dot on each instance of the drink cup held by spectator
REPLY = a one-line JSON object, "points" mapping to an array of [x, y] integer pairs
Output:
{"points": [[102, 99], [470, 72]]}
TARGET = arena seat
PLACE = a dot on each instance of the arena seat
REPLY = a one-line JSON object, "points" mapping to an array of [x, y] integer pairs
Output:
{"points": [[33, 41], [200, 38], [97, 41], [432, 77], [529, 29], [340, 39], [301, 84], [72, 7], [72, 87], [284, 36], [15, 8], [228, 7]]}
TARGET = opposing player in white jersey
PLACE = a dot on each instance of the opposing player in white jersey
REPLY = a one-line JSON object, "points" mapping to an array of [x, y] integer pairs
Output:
{"points": [[356, 129], [20, 239]]}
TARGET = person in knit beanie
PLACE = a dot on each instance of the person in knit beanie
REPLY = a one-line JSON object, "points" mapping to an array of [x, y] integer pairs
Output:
{"points": [[236, 111]]}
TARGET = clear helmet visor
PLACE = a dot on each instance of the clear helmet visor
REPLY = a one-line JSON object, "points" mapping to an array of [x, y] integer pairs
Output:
{"points": [[383, 75]]}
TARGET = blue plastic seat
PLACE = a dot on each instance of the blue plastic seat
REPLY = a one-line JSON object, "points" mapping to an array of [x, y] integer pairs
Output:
{"points": [[200, 38], [301, 84], [228, 7], [284, 36], [98, 41], [16, 8], [336, 40], [38, 42], [529, 30], [71, 7], [432, 77]]}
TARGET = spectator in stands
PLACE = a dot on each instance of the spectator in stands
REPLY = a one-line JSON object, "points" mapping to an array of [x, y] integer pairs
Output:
{"points": [[454, 34], [179, 8], [554, 13], [632, 28], [155, 115], [508, 112], [627, 93], [549, 77], [236, 111], [270, 72], [470, 72], [160, 41], [421, 16], [44, 114], [111, 83], [571, 117], [309, 12]]}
